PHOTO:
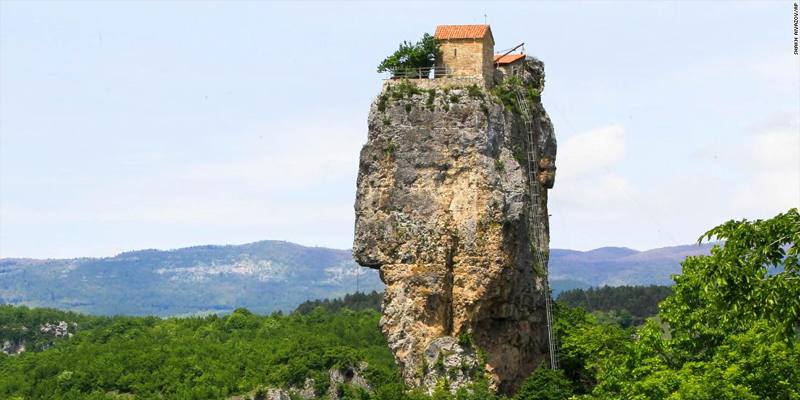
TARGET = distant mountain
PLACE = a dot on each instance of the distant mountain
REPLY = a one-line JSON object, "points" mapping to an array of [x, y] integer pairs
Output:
{"points": [[269, 276], [616, 266], [263, 277]]}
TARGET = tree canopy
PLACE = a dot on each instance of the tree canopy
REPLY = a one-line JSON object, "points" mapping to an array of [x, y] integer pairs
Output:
{"points": [[625, 305], [421, 54], [728, 332]]}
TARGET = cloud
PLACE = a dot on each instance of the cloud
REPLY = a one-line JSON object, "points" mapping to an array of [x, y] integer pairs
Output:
{"points": [[591, 152], [771, 169], [594, 203], [585, 178], [590, 195]]}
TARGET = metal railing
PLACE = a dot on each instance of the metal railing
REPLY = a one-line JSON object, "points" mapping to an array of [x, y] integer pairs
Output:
{"points": [[421, 73]]}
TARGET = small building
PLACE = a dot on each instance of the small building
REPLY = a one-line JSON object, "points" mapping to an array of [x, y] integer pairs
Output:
{"points": [[509, 64], [466, 51]]}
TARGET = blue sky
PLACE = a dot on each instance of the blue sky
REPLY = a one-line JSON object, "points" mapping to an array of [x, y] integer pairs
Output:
{"points": [[161, 125]]}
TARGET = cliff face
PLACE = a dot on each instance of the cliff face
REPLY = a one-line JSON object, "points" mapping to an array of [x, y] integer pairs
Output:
{"points": [[446, 212]]}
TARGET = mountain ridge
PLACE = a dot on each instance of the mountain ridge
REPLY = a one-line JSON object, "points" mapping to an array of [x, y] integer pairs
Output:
{"points": [[269, 275]]}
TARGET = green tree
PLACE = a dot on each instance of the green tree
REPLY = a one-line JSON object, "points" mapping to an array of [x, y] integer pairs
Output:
{"points": [[421, 54], [545, 384], [731, 326], [751, 275]]}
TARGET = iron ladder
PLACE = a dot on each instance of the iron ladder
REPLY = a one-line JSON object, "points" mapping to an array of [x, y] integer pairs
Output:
{"points": [[535, 217]]}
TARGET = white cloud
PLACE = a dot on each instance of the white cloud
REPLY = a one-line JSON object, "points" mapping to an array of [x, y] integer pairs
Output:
{"points": [[586, 163], [591, 152], [771, 166], [593, 202], [590, 194]]}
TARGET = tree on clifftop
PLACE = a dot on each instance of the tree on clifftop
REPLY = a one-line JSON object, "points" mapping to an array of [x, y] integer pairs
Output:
{"points": [[421, 54]]}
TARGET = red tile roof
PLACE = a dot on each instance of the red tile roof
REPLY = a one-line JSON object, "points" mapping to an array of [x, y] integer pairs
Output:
{"points": [[462, 31], [508, 58]]}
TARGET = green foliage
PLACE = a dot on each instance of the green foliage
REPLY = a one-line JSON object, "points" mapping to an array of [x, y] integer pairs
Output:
{"points": [[356, 301], [584, 343], [404, 90], [201, 358], [753, 276], [519, 155], [545, 384], [431, 99], [506, 92], [730, 333], [389, 148], [626, 305], [465, 340], [21, 325], [499, 165], [474, 91], [421, 54], [383, 101]]}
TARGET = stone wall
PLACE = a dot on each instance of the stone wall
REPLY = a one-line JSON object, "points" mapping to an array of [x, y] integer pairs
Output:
{"points": [[439, 83], [487, 65], [469, 57]]}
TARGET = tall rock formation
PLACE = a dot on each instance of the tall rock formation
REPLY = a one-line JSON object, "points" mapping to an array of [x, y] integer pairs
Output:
{"points": [[445, 210]]}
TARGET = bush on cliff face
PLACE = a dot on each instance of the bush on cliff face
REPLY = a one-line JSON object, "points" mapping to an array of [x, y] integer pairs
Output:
{"points": [[421, 54]]}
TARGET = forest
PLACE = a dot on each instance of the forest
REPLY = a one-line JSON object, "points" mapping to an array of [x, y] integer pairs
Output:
{"points": [[356, 301], [625, 305], [727, 330]]}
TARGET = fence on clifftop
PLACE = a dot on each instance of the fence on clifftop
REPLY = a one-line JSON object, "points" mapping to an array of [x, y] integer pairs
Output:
{"points": [[421, 73]]}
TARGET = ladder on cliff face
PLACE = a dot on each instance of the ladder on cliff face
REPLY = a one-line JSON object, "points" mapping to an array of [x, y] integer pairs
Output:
{"points": [[536, 216]]}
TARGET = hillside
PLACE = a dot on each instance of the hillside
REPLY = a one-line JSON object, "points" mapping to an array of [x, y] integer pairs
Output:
{"points": [[616, 266], [264, 277], [268, 276]]}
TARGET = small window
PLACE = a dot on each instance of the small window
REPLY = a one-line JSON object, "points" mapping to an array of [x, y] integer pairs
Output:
{"points": [[455, 52]]}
